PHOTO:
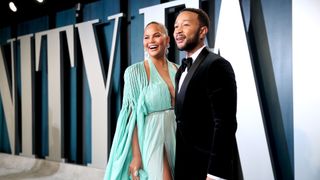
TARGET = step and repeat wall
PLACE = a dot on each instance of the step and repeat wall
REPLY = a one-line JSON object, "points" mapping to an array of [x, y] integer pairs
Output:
{"points": [[61, 79]]}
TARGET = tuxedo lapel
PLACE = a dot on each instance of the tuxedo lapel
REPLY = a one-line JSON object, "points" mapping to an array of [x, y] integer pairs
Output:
{"points": [[177, 78], [181, 94]]}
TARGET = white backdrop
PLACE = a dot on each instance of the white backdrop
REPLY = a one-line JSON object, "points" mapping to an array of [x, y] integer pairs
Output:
{"points": [[232, 44], [306, 88]]}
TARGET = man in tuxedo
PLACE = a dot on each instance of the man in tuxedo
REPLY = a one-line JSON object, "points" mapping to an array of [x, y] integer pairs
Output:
{"points": [[206, 101]]}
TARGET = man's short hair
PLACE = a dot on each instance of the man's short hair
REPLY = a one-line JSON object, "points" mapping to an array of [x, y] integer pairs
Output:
{"points": [[202, 16]]}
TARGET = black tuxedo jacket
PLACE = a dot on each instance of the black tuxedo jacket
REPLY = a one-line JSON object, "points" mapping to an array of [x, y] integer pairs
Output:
{"points": [[206, 115]]}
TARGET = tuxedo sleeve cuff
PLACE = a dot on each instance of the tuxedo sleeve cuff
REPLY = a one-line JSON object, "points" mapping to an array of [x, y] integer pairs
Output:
{"points": [[214, 177]]}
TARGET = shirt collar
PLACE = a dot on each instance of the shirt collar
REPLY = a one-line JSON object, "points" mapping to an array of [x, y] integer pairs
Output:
{"points": [[196, 54]]}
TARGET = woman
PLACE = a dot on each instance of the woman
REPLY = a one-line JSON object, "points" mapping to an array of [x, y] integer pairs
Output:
{"points": [[144, 143]]}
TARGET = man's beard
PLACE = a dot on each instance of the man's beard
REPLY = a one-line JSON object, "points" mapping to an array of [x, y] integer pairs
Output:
{"points": [[191, 43]]}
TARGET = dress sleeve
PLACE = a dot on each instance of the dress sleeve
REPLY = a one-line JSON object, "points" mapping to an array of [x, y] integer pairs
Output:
{"points": [[120, 154]]}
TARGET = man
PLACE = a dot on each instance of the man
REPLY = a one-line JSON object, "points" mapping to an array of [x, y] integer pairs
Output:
{"points": [[205, 107]]}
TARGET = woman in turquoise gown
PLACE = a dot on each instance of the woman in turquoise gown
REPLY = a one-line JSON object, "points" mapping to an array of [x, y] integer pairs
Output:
{"points": [[144, 142]]}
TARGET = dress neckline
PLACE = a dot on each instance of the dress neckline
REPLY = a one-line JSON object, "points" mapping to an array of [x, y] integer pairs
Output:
{"points": [[171, 71], [152, 68]]}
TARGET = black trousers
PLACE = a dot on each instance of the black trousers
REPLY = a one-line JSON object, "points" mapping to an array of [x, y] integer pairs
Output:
{"points": [[190, 163]]}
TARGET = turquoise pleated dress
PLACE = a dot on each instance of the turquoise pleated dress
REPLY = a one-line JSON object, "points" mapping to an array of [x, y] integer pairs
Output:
{"points": [[147, 104]]}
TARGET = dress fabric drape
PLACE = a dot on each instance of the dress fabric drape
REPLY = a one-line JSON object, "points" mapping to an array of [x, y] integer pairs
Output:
{"points": [[147, 104]]}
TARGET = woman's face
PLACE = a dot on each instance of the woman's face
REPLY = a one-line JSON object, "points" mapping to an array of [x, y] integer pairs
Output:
{"points": [[155, 41]]}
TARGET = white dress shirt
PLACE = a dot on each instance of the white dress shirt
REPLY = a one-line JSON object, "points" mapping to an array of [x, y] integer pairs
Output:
{"points": [[185, 72]]}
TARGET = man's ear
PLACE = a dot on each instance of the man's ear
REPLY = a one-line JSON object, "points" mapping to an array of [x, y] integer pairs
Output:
{"points": [[203, 32]]}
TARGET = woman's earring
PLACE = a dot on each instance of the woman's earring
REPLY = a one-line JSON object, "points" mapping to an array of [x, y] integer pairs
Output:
{"points": [[167, 50], [146, 54]]}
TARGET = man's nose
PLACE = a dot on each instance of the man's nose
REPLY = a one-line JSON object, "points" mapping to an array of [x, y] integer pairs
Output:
{"points": [[177, 30]]}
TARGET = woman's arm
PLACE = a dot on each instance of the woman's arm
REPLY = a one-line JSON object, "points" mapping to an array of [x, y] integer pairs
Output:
{"points": [[136, 162]]}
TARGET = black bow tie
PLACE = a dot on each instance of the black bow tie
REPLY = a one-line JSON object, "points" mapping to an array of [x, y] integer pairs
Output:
{"points": [[186, 63]]}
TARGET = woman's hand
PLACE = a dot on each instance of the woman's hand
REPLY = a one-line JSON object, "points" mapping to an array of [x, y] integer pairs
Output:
{"points": [[134, 167], [136, 162]]}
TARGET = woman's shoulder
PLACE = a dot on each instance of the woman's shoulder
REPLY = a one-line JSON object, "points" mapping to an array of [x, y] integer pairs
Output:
{"points": [[135, 67], [175, 65], [135, 71]]}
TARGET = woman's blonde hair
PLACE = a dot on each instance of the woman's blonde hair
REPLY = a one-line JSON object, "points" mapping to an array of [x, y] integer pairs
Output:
{"points": [[163, 27]]}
